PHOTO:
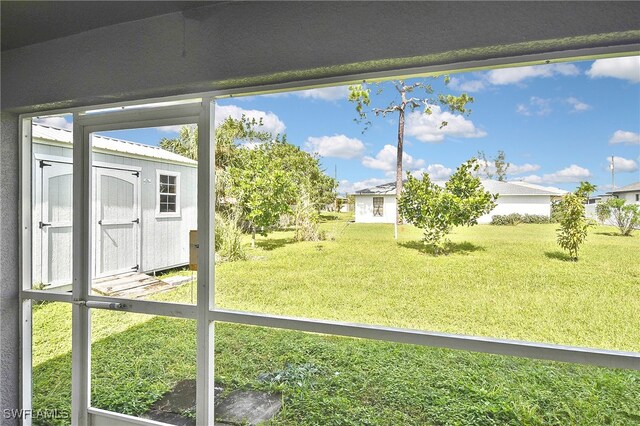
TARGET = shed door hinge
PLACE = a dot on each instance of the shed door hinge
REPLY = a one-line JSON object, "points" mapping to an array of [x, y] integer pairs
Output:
{"points": [[43, 164]]}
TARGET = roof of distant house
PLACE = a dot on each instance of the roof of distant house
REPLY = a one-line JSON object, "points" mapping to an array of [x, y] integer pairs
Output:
{"points": [[628, 188], [57, 134], [493, 186]]}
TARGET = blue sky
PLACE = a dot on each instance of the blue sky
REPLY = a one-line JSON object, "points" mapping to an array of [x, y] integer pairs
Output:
{"points": [[558, 124]]}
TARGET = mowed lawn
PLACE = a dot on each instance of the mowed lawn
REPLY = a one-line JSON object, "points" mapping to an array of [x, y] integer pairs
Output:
{"points": [[499, 281]]}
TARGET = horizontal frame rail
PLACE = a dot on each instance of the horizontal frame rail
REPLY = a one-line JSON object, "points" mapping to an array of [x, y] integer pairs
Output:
{"points": [[534, 350], [150, 307], [552, 352]]}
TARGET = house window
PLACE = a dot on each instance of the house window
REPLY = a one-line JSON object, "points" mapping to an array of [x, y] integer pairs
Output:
{"points": [[378, 206], [168, 198], [637, 197]]}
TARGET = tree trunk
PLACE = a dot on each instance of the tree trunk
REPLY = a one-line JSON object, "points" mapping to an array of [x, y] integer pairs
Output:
{"points": [[253, 237], [399, 152]]}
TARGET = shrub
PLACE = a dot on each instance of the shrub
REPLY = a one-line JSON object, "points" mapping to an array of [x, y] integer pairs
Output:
{"points": [[305, 219], [228, 235], [573, 226], [436, 210], [516, 218], [624, 216], [556, 213]]}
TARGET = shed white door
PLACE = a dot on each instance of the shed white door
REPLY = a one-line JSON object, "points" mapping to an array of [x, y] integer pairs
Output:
{"points": [[117, 221], [55, 227]]}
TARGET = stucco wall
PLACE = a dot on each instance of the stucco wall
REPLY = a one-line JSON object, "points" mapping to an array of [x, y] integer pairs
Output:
{"points": [[539, 205], [9, 279], [630, 197], [364, 209]]}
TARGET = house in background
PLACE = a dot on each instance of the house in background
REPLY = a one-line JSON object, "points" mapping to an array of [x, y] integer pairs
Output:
{"points": [[144, 204], [629, 193], [378, 204]]}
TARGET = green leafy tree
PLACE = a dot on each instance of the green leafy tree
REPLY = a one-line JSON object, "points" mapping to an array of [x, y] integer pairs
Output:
{"points": [[436, 210], [626, 217], [573, 223], [310, 180], [409, 97], [496, 166], [261, 189], [186, 144], [585, 189]]}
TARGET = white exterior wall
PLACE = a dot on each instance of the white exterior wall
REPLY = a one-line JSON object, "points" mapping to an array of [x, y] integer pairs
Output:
{"points": [[164, 240], [629, 197], [364, 209], [523, 204]]}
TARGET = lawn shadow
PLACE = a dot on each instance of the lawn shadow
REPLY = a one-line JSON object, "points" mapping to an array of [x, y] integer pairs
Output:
{"points": [[464, 247], [611, 234], [273, 243], [559, 255]]}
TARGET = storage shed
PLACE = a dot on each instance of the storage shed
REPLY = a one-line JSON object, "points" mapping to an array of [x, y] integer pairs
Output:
{"points": [[144, 204], [378, 204]]}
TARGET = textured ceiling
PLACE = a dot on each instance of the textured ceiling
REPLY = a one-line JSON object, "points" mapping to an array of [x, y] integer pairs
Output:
{"points": [[29, 22]]}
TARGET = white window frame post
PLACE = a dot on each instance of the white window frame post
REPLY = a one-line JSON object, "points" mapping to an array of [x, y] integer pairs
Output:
{"points": [[82, 258], [206, 265]]}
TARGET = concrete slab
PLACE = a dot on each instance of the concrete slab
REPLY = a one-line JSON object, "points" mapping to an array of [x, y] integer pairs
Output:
{"points": [[237, 408], [248, 407]]}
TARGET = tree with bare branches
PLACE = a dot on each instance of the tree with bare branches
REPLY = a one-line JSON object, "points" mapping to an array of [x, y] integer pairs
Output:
{"points": [[410, 97]]}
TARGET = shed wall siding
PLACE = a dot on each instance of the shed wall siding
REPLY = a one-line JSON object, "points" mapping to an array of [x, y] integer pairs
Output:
{"points": [[164, 241]]}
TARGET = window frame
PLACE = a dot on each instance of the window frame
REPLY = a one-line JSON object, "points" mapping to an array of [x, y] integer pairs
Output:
{"points": [[178, 212], [380, 207], [205, 311]]}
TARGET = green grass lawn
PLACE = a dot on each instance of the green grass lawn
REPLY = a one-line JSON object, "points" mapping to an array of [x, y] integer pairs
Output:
{"points": [[507, 281], [500, 281]]}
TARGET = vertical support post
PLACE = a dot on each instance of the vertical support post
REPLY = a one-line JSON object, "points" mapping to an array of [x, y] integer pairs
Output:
{"points": [[25, 229], [81, 255], [206, 267]]}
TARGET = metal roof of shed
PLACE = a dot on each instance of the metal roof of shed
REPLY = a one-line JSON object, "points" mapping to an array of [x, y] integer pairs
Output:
{"points": [[493, 186], [57, 134]]}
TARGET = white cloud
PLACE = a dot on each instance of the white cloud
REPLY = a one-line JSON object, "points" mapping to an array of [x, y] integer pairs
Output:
{"points": [[325, 93], [386, 160], [270, 121], [573, 173], [467, 85], [426, 127], [516, 75], [625, 137], [339, 146], [347, 187], [626, 68], [622, 164], [536, 106], [333, 93], [577, 105], [57, 121], [435, 171], [504, 76], [514, 169]]}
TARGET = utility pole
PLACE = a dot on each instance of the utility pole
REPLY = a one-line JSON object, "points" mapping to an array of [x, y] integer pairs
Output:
{"points": [[613, 171]]}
